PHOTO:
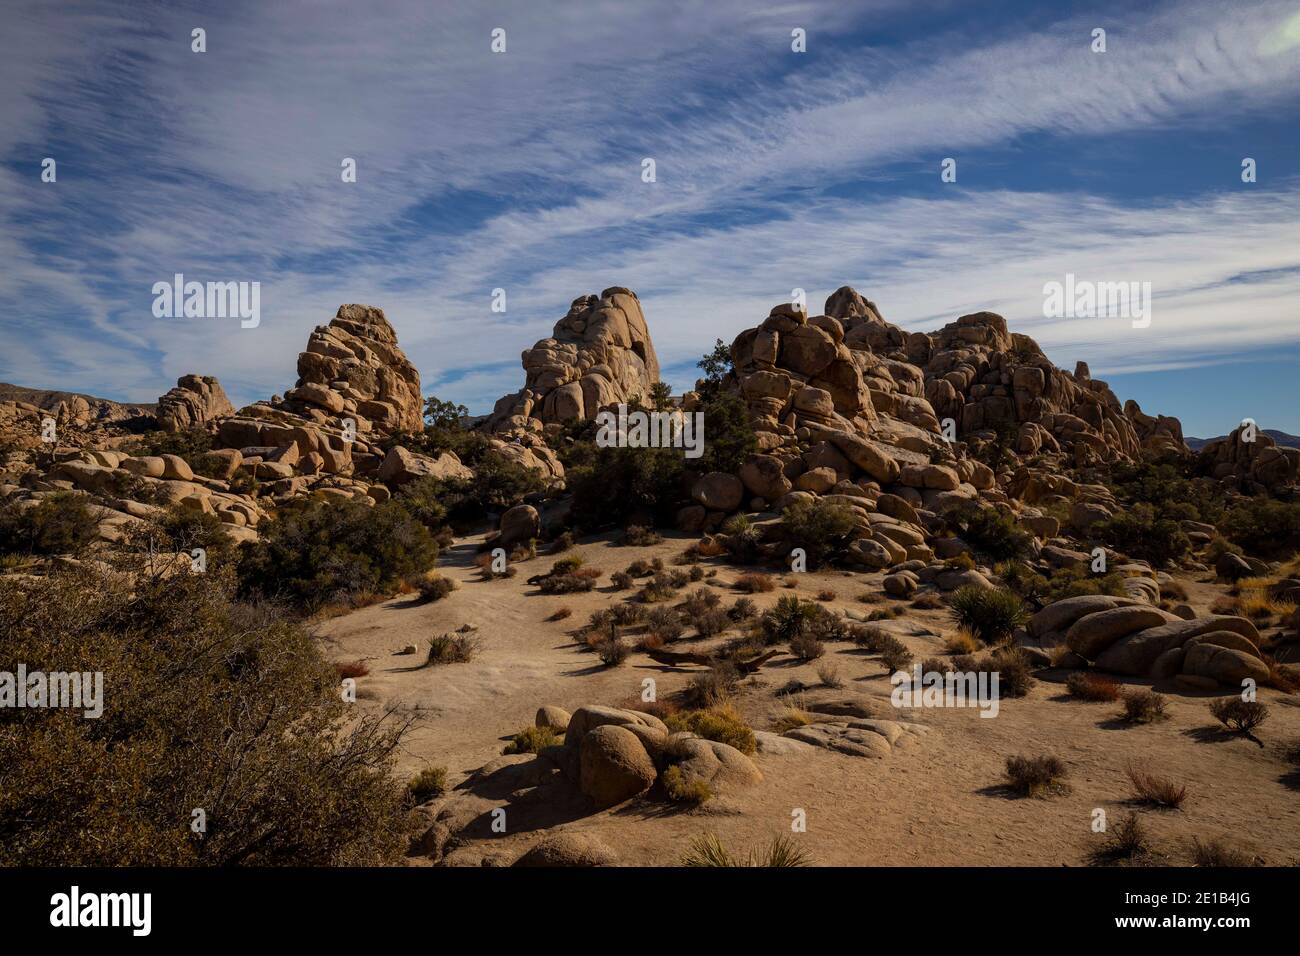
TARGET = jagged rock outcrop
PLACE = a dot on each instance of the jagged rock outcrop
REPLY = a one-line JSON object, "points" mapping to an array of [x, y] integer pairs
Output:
{"points": [[599, 354], [196, 400], [1255, 465], [355, 387]]}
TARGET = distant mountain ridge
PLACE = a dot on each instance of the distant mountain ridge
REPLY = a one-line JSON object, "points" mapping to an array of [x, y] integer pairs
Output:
{"points": [[1282, 438]]}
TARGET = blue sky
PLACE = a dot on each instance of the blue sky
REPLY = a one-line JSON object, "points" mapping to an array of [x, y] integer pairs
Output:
{"points": [[775, 170]]}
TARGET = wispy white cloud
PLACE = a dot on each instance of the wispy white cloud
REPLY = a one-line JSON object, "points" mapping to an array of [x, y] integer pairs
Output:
{"points": [[523, 171]]}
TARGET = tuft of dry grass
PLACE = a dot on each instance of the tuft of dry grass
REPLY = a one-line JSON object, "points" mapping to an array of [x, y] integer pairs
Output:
{"points": [[1094, 687], [873, 597], [826, 595], [828, 672], [1218, 853], [1155, 790], [559, 614], [962, 641], [927, 602]]}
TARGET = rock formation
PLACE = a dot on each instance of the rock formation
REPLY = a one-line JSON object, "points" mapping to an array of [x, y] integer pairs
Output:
{"points": [[599, 354], [196, 400]]}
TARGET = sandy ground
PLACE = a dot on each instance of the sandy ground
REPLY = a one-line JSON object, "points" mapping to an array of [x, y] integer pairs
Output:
{"points": [[938, 802]]}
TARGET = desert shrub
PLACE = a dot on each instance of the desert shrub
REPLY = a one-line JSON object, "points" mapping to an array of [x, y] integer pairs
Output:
{"points": [[962, 562], [353, 669], [711, 622], [823, 528], [435, 587], [1039, 590], [1035, 776], [1015, 675], [991, 532], [428, 783], [679, 579], [423, 498], [575, 582], [681, 790], [659, 588], [1156, 790], [187, 443], [826, 595], [612, 652], [209, 703], [708, 850], [741, 538], [1142, 707], [610, 484], [1239, 716], [620, 580], [533, 740], [1094, 687], [1218, 853], [743, 610], [756, 583], [1126, 841], [640, 569], [696, 573], [714, 687], [990, 614], [635, 535], [1144, 532], [936, 665], [665, 623], [317, 552], [720, 722], [700, 601], [1264, 526], [894, 654], [806, 647], [62, 523], [625, 615], [563, 542], [456, 648], [787, 619], [927, 602], [498, 484], [559, 614], [826, 625]]}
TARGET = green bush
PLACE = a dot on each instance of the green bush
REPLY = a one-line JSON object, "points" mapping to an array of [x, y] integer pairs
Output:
{"points": [[991, 533], [1144, 532], [188, 443], [428, 783], [318, 552], [722, 723], [1263, 527], [533, 740], [787, 619], [62, 523], [824, 529], [1038, 590], [680, 790], [990, 614], [207, 703]]}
